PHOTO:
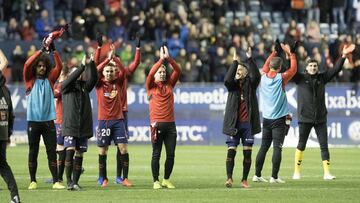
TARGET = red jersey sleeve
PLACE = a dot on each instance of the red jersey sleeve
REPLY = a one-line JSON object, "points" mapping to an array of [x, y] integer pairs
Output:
{"points": [[55, 72], [97, 56], [176, 73], [121, 68], [288, 74], [132, 67]]}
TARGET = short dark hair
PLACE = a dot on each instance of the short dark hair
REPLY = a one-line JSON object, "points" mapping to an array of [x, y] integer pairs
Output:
{"points": [[276, 63], [312, 61]]}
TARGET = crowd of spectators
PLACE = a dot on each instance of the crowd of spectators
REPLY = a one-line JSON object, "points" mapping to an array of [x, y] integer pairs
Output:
{"points": [[201, 34]]}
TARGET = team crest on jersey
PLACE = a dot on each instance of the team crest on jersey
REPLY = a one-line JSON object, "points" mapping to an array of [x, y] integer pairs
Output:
{"points": [[111, 94]]}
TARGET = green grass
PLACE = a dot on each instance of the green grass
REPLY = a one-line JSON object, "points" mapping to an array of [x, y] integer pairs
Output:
{"points": [[199, 175]]}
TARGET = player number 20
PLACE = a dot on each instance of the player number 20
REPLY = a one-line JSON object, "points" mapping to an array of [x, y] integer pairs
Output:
{"points": [[105, 132]]}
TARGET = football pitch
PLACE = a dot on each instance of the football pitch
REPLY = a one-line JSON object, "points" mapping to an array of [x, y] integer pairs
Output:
{"points": [[199, 175]]}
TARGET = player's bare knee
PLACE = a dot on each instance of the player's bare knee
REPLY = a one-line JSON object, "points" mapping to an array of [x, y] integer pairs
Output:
{"points": [[60, 147], [123, 148], [103, 150], [247, 148], [233, 148], [79, 153]]}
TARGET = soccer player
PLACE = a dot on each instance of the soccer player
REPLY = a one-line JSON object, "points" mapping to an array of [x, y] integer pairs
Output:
{"points": [[39, 82], [241, 120], [77, 124], [122, 158], [60, 149], [6, 129], [162, 120], [274, 107], [111, 119], [312, 112]]}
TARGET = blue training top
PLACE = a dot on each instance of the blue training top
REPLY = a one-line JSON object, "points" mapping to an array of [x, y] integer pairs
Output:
{"points": [[40, 102], [273, 100]]}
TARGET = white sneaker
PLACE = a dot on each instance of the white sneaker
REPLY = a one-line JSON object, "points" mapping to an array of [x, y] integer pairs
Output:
{"points": [[278, 180], [329, 177], [296, 176], [259, 179]]}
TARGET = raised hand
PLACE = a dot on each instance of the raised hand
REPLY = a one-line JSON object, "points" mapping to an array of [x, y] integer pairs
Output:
{"points": [[166, 54], [235, 56], [286, 48], [348, 49], [137, 40], [111, 52], [278, 48], [83, 60], [52, 47], [249, 52], [294, 47], [99, 39], [162, 53]]}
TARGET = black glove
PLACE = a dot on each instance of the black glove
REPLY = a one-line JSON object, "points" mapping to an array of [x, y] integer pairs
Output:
{"points": [[99, 39], [137, 40], [294, 47], [278, 48], [52, 47]]}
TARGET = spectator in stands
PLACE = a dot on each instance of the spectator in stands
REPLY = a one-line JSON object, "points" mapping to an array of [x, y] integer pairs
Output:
{"points": [[27, 32], [191, 71], [175, 44], [338, 9], [78, 29], [101, 25], [219, 66], [313, 11], [43, 24], [126, 54], [31, 50], [293, 33], [117, 30], [313, 35], [236, 27], [13, 30], [18, 59]]}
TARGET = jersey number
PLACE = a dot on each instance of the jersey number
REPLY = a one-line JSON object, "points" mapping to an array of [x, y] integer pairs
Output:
{"points": [[105, 132]]}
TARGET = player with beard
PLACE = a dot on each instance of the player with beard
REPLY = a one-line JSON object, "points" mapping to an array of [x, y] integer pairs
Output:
{"points": [[77, 124], [111, 119], [241, 119]]}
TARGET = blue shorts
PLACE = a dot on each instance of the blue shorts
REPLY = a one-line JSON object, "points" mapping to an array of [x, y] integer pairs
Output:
{"points": [[80, 143], [125, 113], [59, 137], [244, 133], [111, 130]]}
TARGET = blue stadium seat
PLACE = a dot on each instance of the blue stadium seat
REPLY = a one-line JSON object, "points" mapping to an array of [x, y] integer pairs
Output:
{"points": [[254, 17], [278, 17], [284, 27], [255, 5], [229, 16], [265, 15], [275, 28], [334, 28], [240, 15], [3, 34], [324, 28]]}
